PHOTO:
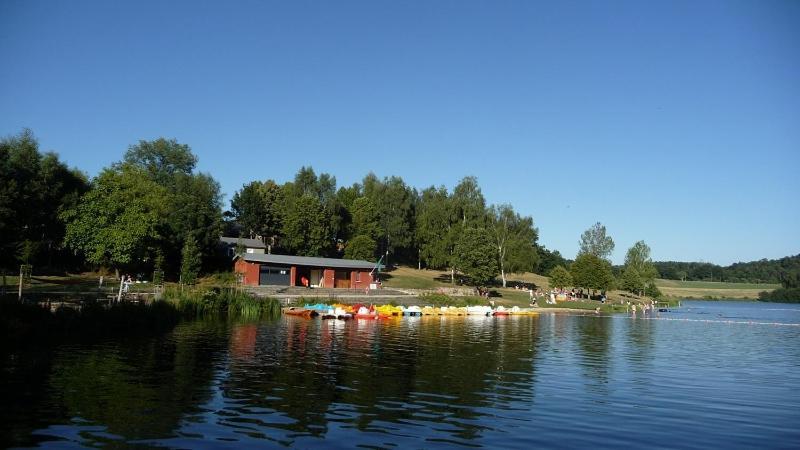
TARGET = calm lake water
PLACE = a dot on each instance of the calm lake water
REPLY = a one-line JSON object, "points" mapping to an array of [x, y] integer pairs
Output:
{"points": [[711, 374]]}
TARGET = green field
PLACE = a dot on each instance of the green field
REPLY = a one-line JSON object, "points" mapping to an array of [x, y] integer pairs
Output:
{"points": [[712, 289], [715, 285]]}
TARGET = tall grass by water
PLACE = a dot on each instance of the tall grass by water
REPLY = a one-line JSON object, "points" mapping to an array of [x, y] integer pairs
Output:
{"points": [[202, 302]]}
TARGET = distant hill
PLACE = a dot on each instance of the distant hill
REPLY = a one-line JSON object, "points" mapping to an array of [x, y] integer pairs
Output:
{"points": [[767, 271]]}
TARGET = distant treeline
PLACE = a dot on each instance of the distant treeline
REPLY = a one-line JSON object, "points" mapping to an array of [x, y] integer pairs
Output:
{"points": [[763, 271]]}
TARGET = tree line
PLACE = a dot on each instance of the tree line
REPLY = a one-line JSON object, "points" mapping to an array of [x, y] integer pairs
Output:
{"points": [[385, 219], [762, 271], [152, 211], [593, 271]]}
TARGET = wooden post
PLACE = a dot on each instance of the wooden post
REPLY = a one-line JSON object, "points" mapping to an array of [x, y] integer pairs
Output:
{"points": [[20, 284], [119, 294]]}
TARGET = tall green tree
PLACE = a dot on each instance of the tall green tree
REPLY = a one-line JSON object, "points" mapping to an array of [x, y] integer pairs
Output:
{"points": [[162, 159], [548, 260], [35, 188], [594, 241], [468, 202], [394, 202], [305, 227], [194, 200], [560, 277], [365, 219], [117, 222], [632, 281], [514, 239], [639, 270], [475, 256], [360, 247], [592, 272], [150, 203], [435, 220], [194, 210], [257, 207], [191, 259]]}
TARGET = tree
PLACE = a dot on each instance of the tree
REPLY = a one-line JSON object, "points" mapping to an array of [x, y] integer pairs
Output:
{"points": [[257, 208], [117, 222], [631, 281], [161, 158], [190, 261], [360, 247], [595, 242], [475, 256], [469, 203], [194, 210], [149, 203], [305, 227], [652, 290], [35, 189], [393, 201], [560, 277], [435, 219], [639, 270], [194, 201], [592, 272], [514, 240], [548, 260], [365, 220]]}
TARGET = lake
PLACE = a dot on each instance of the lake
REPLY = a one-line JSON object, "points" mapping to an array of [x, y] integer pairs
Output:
{"points": [[709, 374]]}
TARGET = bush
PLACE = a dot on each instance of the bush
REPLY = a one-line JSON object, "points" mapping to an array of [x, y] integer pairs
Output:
{"points": [[782, 295], [652, 290]]}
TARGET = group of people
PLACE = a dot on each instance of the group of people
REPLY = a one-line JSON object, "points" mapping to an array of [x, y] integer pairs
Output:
{"points": [[644, 308]]}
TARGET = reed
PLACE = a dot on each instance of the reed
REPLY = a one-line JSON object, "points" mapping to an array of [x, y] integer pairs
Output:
{"points": [[202, 302]]}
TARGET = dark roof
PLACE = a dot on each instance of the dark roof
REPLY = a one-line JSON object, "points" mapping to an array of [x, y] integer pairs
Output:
{"points": [[308, 261], [247, 242]]}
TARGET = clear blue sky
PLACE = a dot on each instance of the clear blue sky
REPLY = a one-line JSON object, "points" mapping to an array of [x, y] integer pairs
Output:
{"points": [[675, 122]]}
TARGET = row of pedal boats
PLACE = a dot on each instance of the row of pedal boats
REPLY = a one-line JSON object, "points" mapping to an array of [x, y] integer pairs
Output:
{"points": [[359, 311]]}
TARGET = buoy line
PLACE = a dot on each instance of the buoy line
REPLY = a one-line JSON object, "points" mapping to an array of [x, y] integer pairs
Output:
{"points": [[737, 322]]}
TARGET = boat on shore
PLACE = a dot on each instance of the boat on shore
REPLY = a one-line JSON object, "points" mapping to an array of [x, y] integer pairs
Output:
{"points": [[300, 312], [371, 312]]}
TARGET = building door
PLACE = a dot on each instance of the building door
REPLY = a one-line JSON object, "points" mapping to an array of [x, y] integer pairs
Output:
{"points": [[316, 277], [273, 275], [342, 279]]}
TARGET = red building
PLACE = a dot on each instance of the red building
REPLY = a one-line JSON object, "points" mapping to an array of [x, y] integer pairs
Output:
{"points": [[261, 269]]}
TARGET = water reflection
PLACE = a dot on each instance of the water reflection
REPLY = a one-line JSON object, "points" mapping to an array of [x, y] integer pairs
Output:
{"points": [[413, 382], [385, 377], [593, 335]]}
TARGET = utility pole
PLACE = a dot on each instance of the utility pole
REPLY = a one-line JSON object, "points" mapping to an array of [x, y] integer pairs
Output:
{"points": [[20, 283]]}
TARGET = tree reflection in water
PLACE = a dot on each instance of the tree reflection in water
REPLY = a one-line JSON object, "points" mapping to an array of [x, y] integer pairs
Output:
{"points": [[389, 376]]}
